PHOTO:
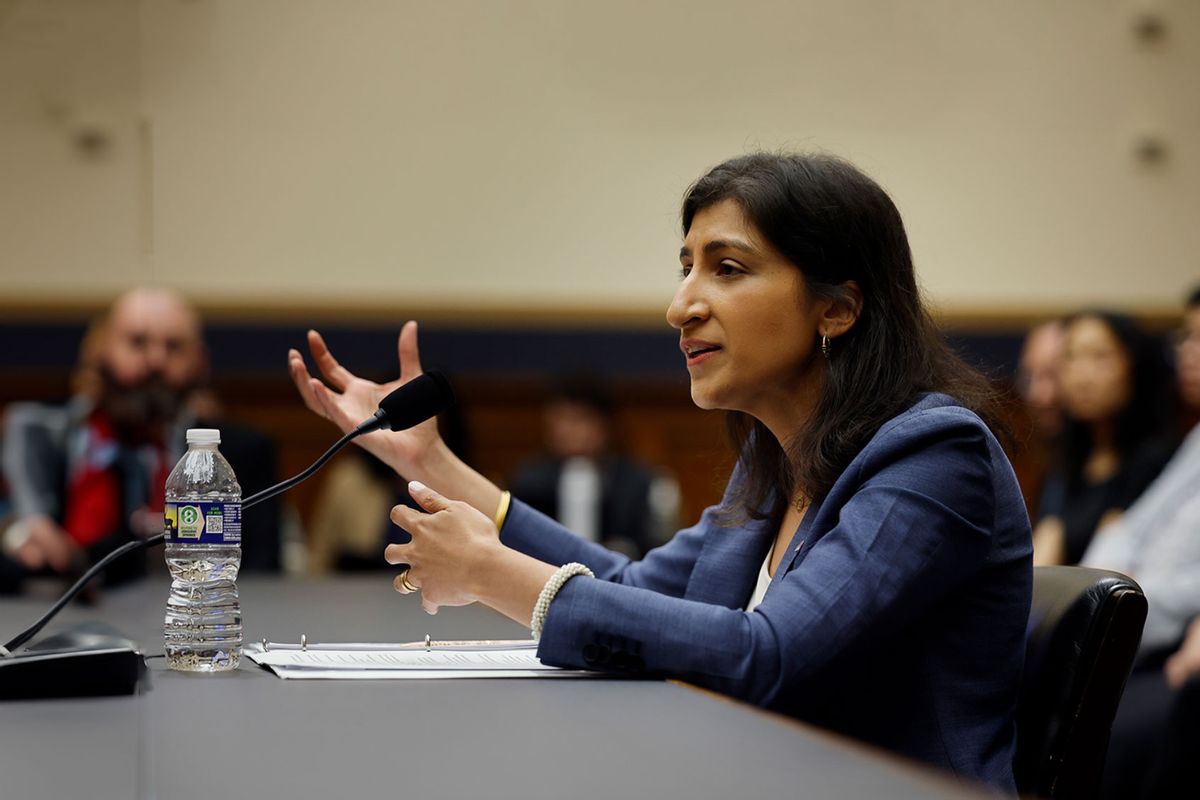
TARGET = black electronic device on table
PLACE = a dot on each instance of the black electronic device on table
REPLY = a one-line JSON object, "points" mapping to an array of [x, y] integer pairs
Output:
{"points": [[91, 659]]}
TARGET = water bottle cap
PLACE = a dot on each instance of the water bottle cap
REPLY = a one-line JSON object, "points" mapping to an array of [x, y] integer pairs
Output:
{"points": [[203, 436]]}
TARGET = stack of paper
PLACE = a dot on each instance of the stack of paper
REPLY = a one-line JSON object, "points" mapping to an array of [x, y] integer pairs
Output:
{"points": [[500, 659]]}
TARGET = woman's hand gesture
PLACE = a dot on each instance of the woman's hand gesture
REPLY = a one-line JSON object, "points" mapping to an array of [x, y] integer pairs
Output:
{"points": [[455, 558], [353, 399]]}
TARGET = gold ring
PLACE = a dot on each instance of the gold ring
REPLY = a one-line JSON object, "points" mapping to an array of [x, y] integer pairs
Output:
{"points": [[406, 583]]}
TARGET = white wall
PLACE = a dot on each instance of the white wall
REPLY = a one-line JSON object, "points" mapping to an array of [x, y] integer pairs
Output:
{"points": [[530, 155]]}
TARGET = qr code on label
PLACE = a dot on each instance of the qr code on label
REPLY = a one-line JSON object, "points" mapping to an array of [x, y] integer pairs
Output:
{"points": [[215, 523]]}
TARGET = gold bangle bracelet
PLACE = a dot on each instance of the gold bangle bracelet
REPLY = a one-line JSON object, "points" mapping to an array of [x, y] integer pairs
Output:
{"points": [[502, 510]]}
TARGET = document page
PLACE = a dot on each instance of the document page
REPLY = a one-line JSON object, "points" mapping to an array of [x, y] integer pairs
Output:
{"points": [[375, 662]]}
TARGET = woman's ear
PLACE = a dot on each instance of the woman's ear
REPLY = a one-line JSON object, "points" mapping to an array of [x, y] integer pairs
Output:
{"points": [[842, 312]]}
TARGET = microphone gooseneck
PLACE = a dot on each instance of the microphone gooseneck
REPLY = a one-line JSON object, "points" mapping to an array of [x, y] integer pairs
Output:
{"points": [[416, 401]]}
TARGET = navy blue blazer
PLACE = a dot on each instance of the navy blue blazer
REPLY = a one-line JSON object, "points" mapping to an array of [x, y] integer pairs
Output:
{"points": [[897, 616]]}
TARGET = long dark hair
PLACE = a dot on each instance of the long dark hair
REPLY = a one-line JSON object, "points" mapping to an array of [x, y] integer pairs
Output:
{"points": [[837, 225], [1146, 419]]}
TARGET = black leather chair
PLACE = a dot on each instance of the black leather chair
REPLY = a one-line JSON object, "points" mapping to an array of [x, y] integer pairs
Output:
{"points": [[1084, 629]]}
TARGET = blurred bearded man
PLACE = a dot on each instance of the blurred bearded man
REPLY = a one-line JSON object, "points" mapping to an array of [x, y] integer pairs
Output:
{"points": [[87, 477]]}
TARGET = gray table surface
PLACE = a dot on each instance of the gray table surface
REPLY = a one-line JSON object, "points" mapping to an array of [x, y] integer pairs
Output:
{"points": [[249, 734]]}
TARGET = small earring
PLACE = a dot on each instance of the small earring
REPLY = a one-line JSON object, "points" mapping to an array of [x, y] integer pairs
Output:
{"points": [[825, 346]]}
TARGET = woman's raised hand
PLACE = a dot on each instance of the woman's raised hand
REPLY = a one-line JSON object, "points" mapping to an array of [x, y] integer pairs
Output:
{"points": [[349, 399]]}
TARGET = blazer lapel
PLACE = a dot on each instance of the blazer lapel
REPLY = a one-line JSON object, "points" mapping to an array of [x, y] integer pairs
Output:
{"points": [[728, 566]]}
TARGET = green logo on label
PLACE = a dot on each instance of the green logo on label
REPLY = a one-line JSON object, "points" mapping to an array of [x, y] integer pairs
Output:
{"points": [[191, 522]]}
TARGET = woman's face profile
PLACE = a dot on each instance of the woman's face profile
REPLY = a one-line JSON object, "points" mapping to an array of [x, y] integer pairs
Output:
{"points": [[748, 325], [1096, 371]]}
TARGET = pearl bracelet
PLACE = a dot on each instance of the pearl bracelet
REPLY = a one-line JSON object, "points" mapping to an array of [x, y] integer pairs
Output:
{"points": [[550, 591]]}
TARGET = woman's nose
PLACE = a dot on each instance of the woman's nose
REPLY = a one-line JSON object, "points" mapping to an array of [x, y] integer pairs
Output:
{"points": [[687, 305]]}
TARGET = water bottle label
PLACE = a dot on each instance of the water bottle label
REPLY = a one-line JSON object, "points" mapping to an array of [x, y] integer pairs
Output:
{"points": [[203, 523]]}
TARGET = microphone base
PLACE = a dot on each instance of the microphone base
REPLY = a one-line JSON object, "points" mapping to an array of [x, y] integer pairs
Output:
{"points": [[71, 673]]}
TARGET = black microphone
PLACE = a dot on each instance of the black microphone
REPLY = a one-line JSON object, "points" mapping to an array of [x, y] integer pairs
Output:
{"points": [[416, 401]]}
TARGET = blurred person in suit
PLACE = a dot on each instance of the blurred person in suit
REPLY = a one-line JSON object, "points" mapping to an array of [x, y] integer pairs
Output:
{"points": [[1157, 543], [869, 567], [586, 483], [349, 525], [1037, 384], [1117, 432], [1038, 378], [89, 476], [1175, 745]]}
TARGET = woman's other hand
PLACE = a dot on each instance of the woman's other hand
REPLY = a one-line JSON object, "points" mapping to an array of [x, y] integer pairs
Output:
{"points": [[349, 399], [455, 558], [452, 549]]}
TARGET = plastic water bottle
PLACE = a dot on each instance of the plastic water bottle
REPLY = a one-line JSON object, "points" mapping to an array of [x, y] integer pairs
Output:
{"points": [[203, 627]]}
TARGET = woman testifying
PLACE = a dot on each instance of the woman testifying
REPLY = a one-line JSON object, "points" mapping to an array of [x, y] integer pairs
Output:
{"points": [[869, 566]]}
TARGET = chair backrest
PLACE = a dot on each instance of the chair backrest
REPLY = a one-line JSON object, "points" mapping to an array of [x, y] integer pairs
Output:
{"points": [[1084, 629]]}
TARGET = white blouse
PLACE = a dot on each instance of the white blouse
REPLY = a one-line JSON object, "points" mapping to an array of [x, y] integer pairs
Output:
{"points": [[764, 580]]}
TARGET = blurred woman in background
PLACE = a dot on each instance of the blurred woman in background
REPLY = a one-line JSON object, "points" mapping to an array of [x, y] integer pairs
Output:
{"points": [[1117, 437]]}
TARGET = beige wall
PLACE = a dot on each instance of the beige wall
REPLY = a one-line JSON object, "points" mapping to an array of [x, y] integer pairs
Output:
{"points": [[71, 219], [531, 154]]}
